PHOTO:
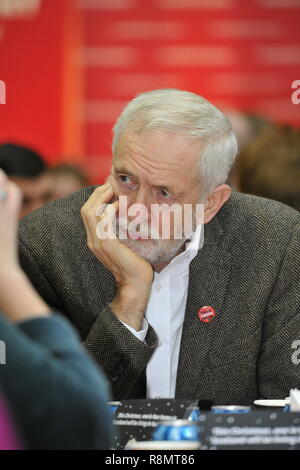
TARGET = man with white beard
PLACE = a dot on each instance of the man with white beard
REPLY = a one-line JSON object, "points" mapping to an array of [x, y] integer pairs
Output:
{"points": [[196, 317]]}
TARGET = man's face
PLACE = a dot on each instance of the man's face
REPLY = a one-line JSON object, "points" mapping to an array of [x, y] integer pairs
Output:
{"points": [[36, 192], [157, 168]]}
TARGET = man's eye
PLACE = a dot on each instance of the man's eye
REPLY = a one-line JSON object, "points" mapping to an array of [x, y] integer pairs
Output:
{"points": [[164, 194], [124, 179]]}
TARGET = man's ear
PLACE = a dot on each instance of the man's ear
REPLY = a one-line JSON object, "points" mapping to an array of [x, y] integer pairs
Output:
{"points": [[215, 201]]}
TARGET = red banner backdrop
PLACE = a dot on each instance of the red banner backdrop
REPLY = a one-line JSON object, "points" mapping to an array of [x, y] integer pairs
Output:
{"points": [[43, 83], [238, 54], [71, 68]]}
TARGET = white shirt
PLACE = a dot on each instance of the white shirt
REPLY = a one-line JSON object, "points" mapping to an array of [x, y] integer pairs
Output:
{"points": [[165, 312]]}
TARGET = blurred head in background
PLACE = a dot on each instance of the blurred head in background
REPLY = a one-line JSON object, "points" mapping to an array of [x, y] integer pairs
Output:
{"points": [[269, 166], [246, 126], [66, 179], [27, 169]]}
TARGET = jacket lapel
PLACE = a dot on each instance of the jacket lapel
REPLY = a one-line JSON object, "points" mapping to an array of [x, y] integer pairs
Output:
{"points": [[208, 281]]}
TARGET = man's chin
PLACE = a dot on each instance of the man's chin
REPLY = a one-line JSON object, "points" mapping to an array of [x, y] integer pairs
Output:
{"points": [[143, 247], [139, 244], [151, 251]]}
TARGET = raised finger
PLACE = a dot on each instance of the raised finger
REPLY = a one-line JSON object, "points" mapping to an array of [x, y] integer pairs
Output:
{"points": [[99, 196], [3, 179], [88, 211], [106, 221]]}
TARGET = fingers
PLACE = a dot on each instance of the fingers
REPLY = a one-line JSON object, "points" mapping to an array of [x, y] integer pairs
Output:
{"points": [[3, 180], [15, 195], [95, 205], [3, 191], [105, 228], [99, 216], [102, 236], [101, 195], [12, 194]]}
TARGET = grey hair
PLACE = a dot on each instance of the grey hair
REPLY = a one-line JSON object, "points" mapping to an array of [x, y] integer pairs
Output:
{"points": [[188, 114]]}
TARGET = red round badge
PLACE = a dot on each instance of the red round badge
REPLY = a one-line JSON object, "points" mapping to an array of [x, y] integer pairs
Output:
{"points": [[206, 314]]}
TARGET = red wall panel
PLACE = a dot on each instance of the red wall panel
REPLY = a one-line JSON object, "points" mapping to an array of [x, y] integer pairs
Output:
{"points": [[34, 54], [70, 69]]}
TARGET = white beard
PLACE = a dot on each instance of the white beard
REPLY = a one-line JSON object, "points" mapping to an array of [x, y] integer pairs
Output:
{"points": [[152, 250], [155, 251]]}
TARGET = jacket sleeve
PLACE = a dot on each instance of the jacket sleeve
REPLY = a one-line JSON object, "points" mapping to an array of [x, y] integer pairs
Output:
{"points": [[37, 277], [123, 357], [58, 396], [278, 365]]}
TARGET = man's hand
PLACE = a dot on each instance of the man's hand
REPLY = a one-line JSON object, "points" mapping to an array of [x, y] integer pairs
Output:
{"points": [[10, 203], [133, 274], [27, 303]]}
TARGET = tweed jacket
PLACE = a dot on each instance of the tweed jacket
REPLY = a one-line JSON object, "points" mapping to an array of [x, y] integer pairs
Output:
{"points": [[248, 270]]}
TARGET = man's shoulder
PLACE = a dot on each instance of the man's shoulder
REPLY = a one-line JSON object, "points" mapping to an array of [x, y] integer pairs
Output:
{"points": [[60, 214], [246, 215]]}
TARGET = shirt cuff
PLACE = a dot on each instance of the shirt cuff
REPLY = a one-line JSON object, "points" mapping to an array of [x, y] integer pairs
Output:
{"points": [[141, 335]]}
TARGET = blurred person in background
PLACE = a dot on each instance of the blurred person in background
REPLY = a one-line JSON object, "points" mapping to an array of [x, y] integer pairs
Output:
{"points": [[66, 179], [9, 440], [269, 166], [57, 395], [27, 169], [246, 127]]}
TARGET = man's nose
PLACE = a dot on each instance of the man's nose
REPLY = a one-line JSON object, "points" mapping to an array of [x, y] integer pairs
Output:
{"points": [[140, 201]]}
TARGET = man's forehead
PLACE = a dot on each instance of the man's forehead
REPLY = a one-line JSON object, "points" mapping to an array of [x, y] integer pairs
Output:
{"points": [[168, 152], [163, 158]]}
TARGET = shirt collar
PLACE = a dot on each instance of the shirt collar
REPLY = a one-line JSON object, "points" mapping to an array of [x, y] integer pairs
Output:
{"points": [[193, 243], [181, 262]]}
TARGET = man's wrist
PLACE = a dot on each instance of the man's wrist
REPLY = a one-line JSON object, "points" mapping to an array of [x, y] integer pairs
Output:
{"points": [[129, 307], [141, 335]]}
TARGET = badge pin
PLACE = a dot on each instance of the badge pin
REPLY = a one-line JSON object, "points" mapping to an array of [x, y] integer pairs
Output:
{"points": [[206, 314]]}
